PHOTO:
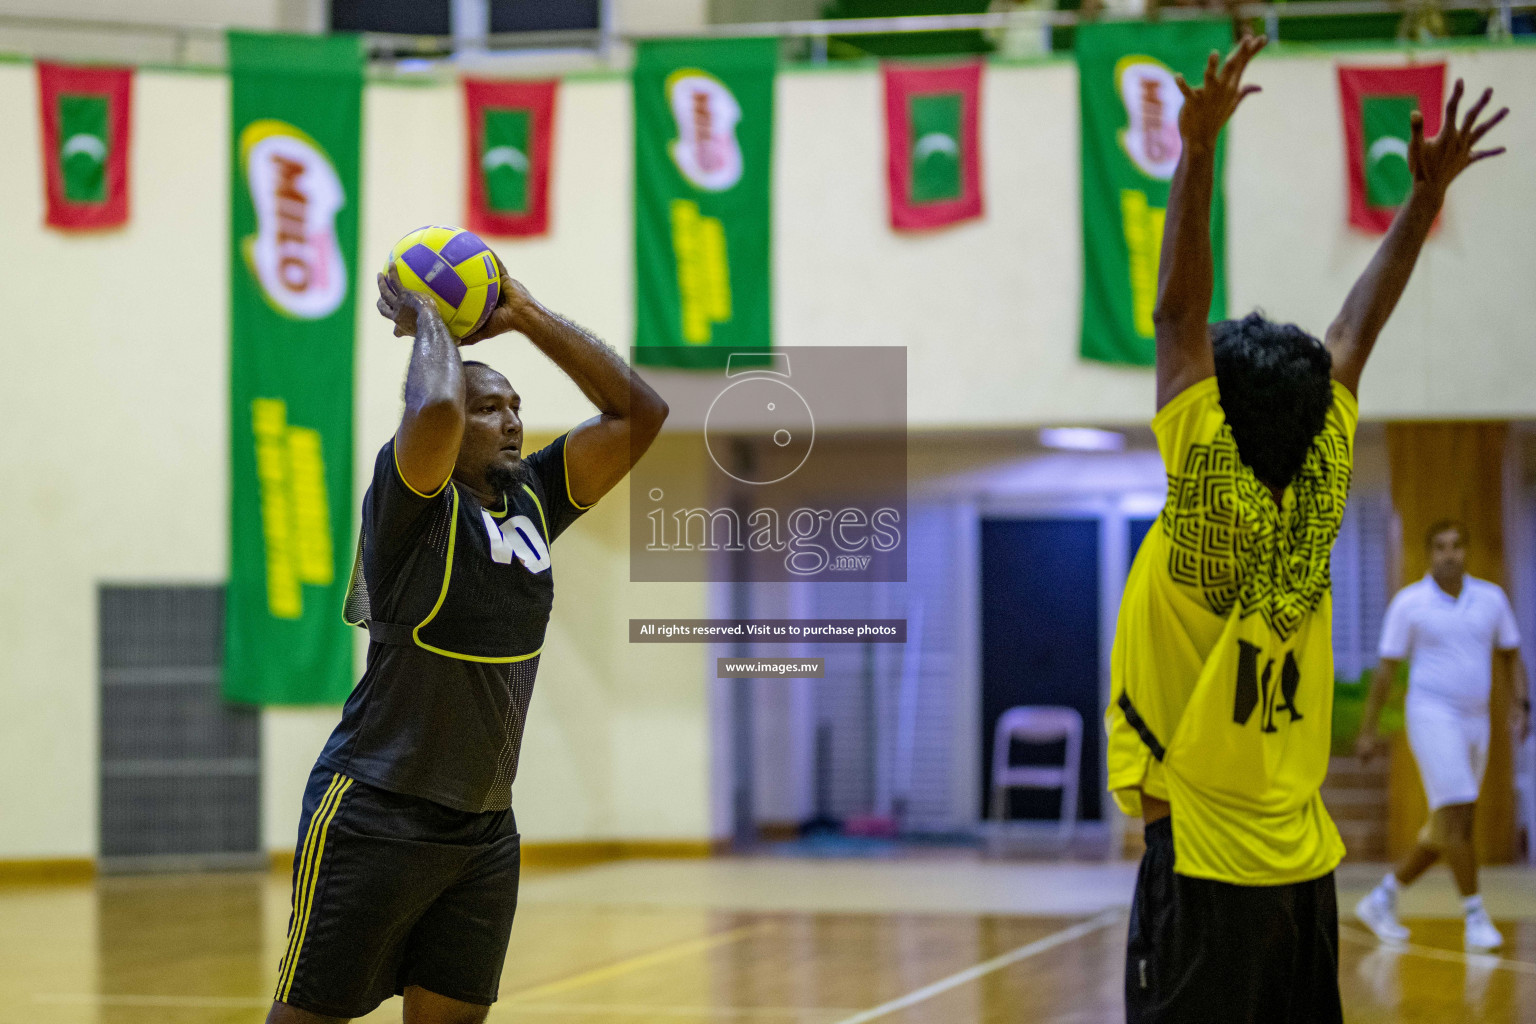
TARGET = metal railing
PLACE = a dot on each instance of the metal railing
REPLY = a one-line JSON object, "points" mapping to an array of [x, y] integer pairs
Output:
{"points": [[178, 41], [967, 22]]}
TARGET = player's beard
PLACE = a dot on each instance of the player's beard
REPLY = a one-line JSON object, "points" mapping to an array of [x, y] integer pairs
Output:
{"points": [[507, 478]]}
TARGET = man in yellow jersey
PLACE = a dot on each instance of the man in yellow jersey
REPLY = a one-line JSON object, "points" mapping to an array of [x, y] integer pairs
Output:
{"points": [[1219, 723]]}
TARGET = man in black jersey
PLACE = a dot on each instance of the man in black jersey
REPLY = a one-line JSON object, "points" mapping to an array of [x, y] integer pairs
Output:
{"points": [[406, 876]]}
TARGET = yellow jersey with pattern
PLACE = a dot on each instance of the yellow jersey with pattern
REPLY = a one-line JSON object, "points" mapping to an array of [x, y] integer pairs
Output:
{"points": [[1222, 670]]}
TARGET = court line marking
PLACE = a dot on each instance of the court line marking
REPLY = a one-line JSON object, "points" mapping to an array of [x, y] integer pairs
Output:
{"points": [[656, 956], [1450, 956], [970, 974], [636, 963], [188, 1002]]}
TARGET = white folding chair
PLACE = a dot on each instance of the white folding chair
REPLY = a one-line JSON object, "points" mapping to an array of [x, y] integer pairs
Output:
{"points": [[1038, 724]]}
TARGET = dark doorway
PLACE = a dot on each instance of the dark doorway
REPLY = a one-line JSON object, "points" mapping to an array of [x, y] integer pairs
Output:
{"points": [[1040, 645], [1138, 529]]}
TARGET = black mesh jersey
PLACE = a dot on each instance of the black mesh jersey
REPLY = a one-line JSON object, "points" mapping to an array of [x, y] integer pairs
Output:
{"points": [[461, 596]]}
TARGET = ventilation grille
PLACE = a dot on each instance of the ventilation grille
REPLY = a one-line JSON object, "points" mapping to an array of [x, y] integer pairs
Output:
{"points": [[180, 768]]}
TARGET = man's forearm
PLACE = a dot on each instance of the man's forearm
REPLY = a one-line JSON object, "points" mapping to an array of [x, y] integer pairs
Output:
{"points": [[608, 382], [1511, 668], [1375, 294], [436, 373], [1185, 267], [1376, 699]]}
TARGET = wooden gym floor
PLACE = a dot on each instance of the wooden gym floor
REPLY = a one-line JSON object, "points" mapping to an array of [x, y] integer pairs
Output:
{"points": [[734, 941]]}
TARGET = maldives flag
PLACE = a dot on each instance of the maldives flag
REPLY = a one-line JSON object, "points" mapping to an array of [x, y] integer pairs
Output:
{"points": [[933, 144], [509, 128], [85, 144], [1377, 103]]}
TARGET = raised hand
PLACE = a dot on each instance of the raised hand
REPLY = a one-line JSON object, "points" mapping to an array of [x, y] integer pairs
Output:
{"points": [[1208, 107], [399, 304], [1436, 162]]}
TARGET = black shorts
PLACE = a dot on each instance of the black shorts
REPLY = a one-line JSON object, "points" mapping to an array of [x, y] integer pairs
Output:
{"points": [[392, 890], [1201, 951]]}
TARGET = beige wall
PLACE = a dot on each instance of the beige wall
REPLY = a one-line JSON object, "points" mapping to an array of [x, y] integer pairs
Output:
{"points": [[990, 310], [112, 400], [210, 13], [112, 411], [1460, 343], [67, 31], [659, 15]]}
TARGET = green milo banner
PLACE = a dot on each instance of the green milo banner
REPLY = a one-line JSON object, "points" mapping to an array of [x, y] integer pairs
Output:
{"points": [[296, 108], [703, 161], [1130, 146]]}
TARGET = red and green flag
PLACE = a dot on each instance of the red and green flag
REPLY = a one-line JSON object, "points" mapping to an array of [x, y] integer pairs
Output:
{"points": [[510, 126], [1377, 104], [85, 114], [933, 145]]}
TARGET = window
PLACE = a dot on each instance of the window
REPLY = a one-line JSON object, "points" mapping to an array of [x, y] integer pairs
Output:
{"points": [[410, 17], [545, 15]]}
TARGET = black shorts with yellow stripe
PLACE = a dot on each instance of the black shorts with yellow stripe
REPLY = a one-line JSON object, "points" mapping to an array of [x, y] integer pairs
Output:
{"points": [[392, 890]]}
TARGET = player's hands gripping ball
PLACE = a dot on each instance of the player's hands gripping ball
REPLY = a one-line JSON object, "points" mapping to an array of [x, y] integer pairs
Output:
{"points": [[402, 291], [401, 306], [452, 267]]}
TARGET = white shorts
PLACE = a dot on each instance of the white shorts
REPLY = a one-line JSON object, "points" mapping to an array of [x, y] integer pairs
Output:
{"points": [[1451, 747]]}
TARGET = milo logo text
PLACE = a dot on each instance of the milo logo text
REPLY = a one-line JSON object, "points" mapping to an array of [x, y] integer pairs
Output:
{"points": [[706, 150], [1152, 104], [296, 193]]}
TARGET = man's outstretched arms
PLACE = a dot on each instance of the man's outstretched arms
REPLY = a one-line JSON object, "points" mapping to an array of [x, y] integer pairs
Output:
{"points": [[1185, 267], [1435, 163]]}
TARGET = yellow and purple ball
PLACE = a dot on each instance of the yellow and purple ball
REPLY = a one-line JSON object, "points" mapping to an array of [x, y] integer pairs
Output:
{"points": [[454, 267]]}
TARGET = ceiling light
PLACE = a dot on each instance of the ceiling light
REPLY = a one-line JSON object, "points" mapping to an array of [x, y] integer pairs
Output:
{"points": [[1082, 439]]}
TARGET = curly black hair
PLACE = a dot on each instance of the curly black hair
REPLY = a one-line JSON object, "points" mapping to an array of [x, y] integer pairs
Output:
{"points": [[1275, 389]]}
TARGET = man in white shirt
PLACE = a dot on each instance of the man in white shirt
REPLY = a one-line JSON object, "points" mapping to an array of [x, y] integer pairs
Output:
{"points": [[1452, 629]]}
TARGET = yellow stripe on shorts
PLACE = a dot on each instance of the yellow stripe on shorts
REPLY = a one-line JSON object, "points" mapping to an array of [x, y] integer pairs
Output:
{"points": [[301, 877], [308, 874]]}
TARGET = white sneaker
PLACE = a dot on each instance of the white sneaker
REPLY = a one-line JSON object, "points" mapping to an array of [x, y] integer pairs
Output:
{"points": [[1376, 912], [1480, 933]]}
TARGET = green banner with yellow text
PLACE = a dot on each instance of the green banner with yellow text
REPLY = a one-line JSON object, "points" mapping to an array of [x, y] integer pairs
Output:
{"points": [[1130, 146], [296, 112], [703, 161]]}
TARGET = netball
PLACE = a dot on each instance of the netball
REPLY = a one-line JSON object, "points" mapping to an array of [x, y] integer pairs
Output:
{"points": [[453, 266]]}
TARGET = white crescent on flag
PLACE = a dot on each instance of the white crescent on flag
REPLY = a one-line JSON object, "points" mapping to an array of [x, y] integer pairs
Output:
{"points": [[504, 156], [1387, 145], [935, 142], [90, 145]]}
